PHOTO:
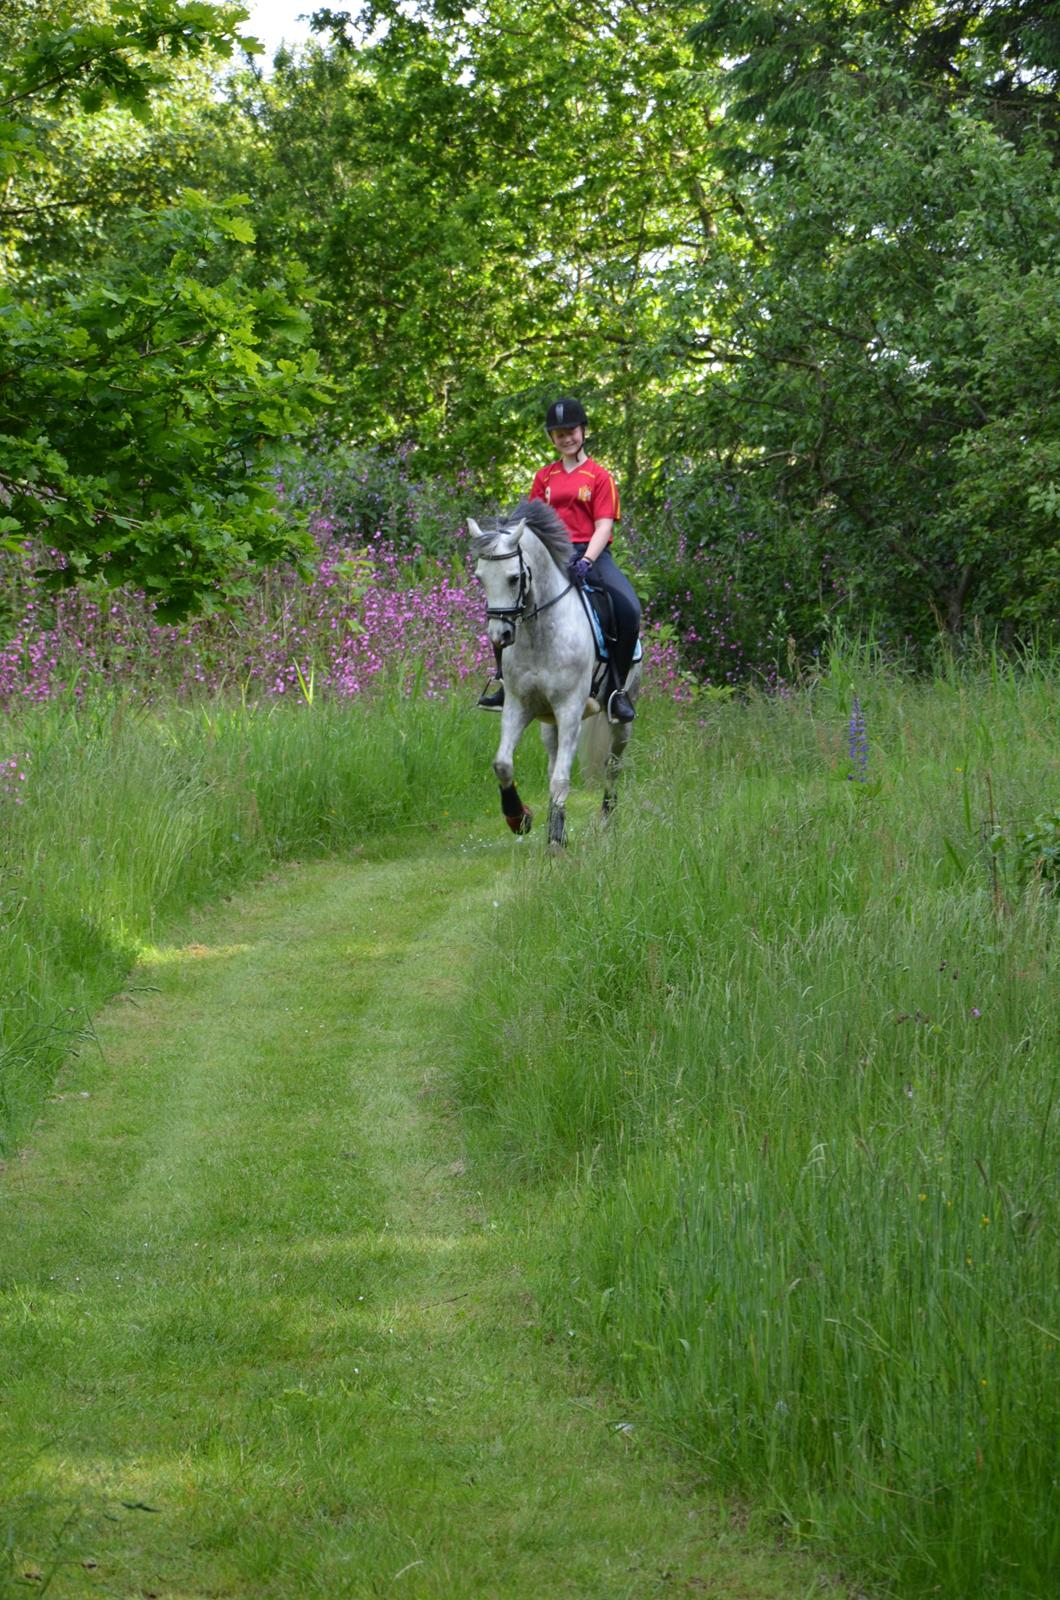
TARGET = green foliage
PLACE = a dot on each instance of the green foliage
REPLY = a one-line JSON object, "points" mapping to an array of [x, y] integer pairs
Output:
{"points": [[748, 587], [1038, 850], [483, 202], [887, 365], [803, 258], [145, 395], [836, 303], [780, 60], [139, 417], [368, 491]]}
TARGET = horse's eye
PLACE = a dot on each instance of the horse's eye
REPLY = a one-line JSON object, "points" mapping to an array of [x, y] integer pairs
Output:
{"points": [[513, 582]]}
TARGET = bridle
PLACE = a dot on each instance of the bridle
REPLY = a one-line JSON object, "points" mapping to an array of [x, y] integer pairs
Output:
{"points": [[518, 612], [514, 612]]}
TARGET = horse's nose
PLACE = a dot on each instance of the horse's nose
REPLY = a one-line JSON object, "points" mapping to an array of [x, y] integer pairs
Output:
{"points": [[501, 633]]}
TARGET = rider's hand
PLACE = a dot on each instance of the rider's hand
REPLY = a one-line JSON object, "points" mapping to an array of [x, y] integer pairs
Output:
{"points": [[578, 569]]}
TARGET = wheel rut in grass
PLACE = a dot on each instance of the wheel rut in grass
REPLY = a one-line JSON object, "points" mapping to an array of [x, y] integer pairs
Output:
{"points": [[264, 1337]]}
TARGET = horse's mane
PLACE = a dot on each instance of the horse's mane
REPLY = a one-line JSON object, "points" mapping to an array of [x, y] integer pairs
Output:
{"points": [[540, 519]]}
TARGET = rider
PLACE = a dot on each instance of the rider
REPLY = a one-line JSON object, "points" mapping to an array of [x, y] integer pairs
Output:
{"points": [[585, 497]]}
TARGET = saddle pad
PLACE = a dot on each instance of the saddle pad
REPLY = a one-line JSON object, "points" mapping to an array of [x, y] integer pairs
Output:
{"points": [[598, 633]]}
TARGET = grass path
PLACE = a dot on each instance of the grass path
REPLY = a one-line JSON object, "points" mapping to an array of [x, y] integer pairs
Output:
{"points": [[259, 1333]]}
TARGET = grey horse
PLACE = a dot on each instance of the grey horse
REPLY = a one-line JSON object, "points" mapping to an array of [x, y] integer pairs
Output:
{"points": [[536, 615]]}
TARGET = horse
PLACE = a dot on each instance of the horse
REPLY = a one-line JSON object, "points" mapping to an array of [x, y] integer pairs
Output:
{"points": [[537, 616]]}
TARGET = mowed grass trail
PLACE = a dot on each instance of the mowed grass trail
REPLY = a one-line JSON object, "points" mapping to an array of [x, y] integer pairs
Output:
{"points": [[262, 1336]]}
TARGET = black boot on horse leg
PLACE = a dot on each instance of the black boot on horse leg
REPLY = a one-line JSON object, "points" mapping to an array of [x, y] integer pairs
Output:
{"points": [[518, 817]]}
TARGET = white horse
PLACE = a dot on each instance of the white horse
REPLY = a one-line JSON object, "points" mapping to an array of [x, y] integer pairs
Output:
{"points": [[536, 615]]}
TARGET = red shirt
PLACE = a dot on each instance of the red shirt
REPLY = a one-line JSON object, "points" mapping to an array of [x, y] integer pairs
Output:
{"points": [[579, 498]]}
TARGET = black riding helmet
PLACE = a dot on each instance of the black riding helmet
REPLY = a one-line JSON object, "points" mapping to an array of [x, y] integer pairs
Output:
{"points": [[565, 413]]}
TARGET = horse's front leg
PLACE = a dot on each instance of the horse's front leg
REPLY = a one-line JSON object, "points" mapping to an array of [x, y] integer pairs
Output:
{"points": [[514, 720], [568, 726], [548, 739]]}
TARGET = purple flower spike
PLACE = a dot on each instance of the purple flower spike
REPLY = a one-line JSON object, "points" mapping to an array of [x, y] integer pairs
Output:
{"points": [[857, 745]]}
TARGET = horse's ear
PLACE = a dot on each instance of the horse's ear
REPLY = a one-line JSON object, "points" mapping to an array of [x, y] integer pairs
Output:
{"points": [[473, 528], [519, 530]]}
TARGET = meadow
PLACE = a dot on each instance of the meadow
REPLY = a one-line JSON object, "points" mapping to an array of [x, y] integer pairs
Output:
{"points": [[131, 815], [771, 1062], [779, 1064], [146, 765]]}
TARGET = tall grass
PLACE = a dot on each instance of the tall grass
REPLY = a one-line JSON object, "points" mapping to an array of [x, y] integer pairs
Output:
{"points": [[781, 1051], [126, 816]]}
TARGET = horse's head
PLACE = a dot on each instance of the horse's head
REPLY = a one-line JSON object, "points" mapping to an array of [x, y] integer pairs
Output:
{"points": [[504, 573]]}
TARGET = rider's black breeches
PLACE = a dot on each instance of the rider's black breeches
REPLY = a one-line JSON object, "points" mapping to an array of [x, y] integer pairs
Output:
{"points": [[627, 612]]}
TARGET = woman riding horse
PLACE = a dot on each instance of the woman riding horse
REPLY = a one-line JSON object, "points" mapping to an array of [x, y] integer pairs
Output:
{"points": [[585, 497]]}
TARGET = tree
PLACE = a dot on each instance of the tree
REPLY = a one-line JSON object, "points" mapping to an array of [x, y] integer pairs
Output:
{"points": [[488, 206], [143, 398], [878, 354]]}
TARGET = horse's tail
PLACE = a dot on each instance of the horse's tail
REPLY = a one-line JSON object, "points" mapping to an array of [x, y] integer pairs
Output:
{"points": [[596, 740], [594, 747]]}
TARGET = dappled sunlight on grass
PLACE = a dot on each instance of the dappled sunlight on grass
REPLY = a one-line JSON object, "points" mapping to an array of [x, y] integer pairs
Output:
{"points": [[376, 950], [171, 955]]}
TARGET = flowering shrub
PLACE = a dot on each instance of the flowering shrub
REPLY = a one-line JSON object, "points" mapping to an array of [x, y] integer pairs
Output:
{"points": [[746, 591], [371, 612], [367, 491]]}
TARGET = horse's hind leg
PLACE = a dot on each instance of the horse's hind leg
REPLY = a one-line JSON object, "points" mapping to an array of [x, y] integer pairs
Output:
{"points": [[550, 740], [613, 767]]}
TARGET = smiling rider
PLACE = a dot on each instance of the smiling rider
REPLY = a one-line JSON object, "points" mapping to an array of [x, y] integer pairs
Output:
{"points": [[585, 498]]}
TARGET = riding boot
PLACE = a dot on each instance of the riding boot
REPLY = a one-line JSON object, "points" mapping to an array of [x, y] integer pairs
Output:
{"points": [[619, 705], [494, 701]]}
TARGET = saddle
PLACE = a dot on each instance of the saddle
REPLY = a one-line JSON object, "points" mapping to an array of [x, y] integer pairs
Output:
{"points": [[600, 609]]}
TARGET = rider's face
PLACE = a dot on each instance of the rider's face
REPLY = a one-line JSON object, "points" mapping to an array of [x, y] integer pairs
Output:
{"points": [[568, 441]]}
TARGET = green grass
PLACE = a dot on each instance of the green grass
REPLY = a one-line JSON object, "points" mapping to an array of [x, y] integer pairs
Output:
{"points": [[264, 1337], [132, 815], [764, 1076], [779, 1056]]}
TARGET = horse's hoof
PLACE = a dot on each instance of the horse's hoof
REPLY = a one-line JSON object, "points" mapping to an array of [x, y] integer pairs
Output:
{"points": [[522, 824]]}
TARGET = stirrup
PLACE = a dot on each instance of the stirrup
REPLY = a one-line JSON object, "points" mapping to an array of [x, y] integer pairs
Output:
{"points": [[619, 706], [494, 701]]}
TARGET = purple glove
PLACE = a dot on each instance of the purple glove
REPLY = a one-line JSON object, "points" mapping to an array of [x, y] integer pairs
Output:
{"points": [[578, 570]]}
